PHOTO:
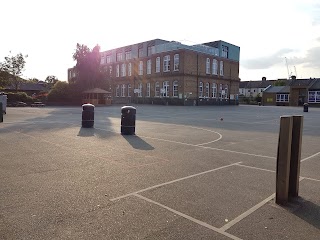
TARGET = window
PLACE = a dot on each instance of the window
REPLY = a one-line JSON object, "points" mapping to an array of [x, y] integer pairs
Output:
{"points": [[108, 59], [200, 89], [157, 89], [314, 96], [220, 91], [148, 90], [151, 50], [140, 52], [129, 69], [141, 68], [226, 91], [207, 90], [166, 63], [175, 89], [117, 73], [214, 67], [176, 62], [123, 70], [214, 90], [225, 51], [221, 68], [129, 90], [149, 66], [282, 98], [140, 90], [157, 64], [119, 57], [165, 89], [123, 89], [102, 60], [110, 70], [128, 55], [208, 66], [117, 91]]}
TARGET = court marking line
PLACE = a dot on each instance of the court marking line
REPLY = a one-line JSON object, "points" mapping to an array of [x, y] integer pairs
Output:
{"points": [[189, 144], [199, 222], [312, 179], [172, 181], [312, 156], [247, 213]]}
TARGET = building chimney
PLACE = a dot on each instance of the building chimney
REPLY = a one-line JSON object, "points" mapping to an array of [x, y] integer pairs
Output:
{"points": [[264, 78], [293, 77]]}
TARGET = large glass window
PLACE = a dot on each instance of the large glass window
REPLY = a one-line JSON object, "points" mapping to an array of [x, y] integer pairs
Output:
{"points": [[200, 89], [207, 90], [157, 89], [314, 97], [140, 90], [141, 68], [123, 90], [149, 66], [129, 90], [208, 66], [221, 68], [175, 89], [165, 89], [214, 67], [176, 62], [157, 64], [123, 70], [140, 52], [118, 70], [151, 50], [225, 51], [128, 55], [226, 91], [166, 63], [117, 91], [148, 90], [108, 59], [129, 69], [282, 98], [119, 57], [214, 90]]}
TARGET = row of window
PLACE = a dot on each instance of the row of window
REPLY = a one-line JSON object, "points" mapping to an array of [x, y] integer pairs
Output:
{"points": [[282, 98], [214, 67], [314, 97], [204, 90]]}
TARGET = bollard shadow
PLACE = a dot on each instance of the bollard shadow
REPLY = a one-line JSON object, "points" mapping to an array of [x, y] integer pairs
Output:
{"points": [[90, 132], [306, 210], [138, 143]]}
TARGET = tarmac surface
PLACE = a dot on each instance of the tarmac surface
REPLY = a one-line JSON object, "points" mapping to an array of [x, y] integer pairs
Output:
{"points": [[205, 172]]}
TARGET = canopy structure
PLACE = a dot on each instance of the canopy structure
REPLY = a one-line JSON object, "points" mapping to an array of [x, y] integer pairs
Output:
{"points": [[97, 96]]}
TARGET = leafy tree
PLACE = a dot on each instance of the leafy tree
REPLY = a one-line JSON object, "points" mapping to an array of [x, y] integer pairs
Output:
{"points": [[34, 80], [59, 92], [51, 80], [280, 83], [14, 65], [4, 78]]}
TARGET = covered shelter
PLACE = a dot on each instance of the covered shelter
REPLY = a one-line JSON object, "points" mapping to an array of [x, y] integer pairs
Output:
{"points": [[97, 96]]}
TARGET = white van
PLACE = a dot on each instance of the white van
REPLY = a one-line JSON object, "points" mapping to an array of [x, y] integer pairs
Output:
{"points": [[3, 100]]}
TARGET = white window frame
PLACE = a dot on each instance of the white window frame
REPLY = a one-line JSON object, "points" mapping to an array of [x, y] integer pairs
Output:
{"points": [[226, 91], [207, 92], [119, 57], [165, 86], [214, 90], [221, 68], [157, 89], [175, 88], [166, 63], [118, 70], [129, 90], [214, 67], [200, 89], [158, 64], [123, 70], [128, 55], [220, 91], [129, 69], [316, 97], [149, 66], [148, 89], [141, 68], [123, 89], [282, 97], [208, 66], [118, 90], [108, 59], [176, 62], [140, 90]]}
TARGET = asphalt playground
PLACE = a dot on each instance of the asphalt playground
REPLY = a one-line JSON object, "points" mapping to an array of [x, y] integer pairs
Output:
{"points": [[198, 172]]}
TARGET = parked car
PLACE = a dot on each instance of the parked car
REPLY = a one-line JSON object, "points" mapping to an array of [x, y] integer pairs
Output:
{"points": [[17, 104], [37, 104]]}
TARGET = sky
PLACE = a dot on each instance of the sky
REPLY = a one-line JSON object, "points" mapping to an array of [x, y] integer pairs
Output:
{"points": [[277, 38]]}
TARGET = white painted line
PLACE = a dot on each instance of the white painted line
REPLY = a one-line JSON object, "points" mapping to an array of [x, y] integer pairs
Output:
{"points": [[305, 159], [204, 224], [220, 136], [247, 213], [262, 169], [312, 179], [173, 181]]}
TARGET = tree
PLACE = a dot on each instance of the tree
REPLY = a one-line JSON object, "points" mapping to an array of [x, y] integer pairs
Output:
{"points": [[59, 92], [51, 80], [89, 71], [4, 78], [14, 66]]}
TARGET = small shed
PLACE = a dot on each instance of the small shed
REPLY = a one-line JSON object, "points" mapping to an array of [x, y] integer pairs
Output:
{"points": [[97, 96]]}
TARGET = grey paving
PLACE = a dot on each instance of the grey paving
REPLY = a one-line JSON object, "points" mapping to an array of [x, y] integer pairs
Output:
{"points": [[59, 181]]}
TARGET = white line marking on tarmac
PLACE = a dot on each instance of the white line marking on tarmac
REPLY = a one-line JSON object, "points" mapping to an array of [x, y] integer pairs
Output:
{"points": [[220, 136], [247, 213], [173, 181], [262, 169], [312, 179], [307, 158], [204, 224]]}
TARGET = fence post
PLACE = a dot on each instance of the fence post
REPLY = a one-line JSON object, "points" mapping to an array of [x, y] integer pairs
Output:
{"points": [[297, 127], [283, 159]]}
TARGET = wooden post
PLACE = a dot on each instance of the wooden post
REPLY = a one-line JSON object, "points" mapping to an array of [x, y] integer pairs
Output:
{"points": [[297, 127], [283, 159]]}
